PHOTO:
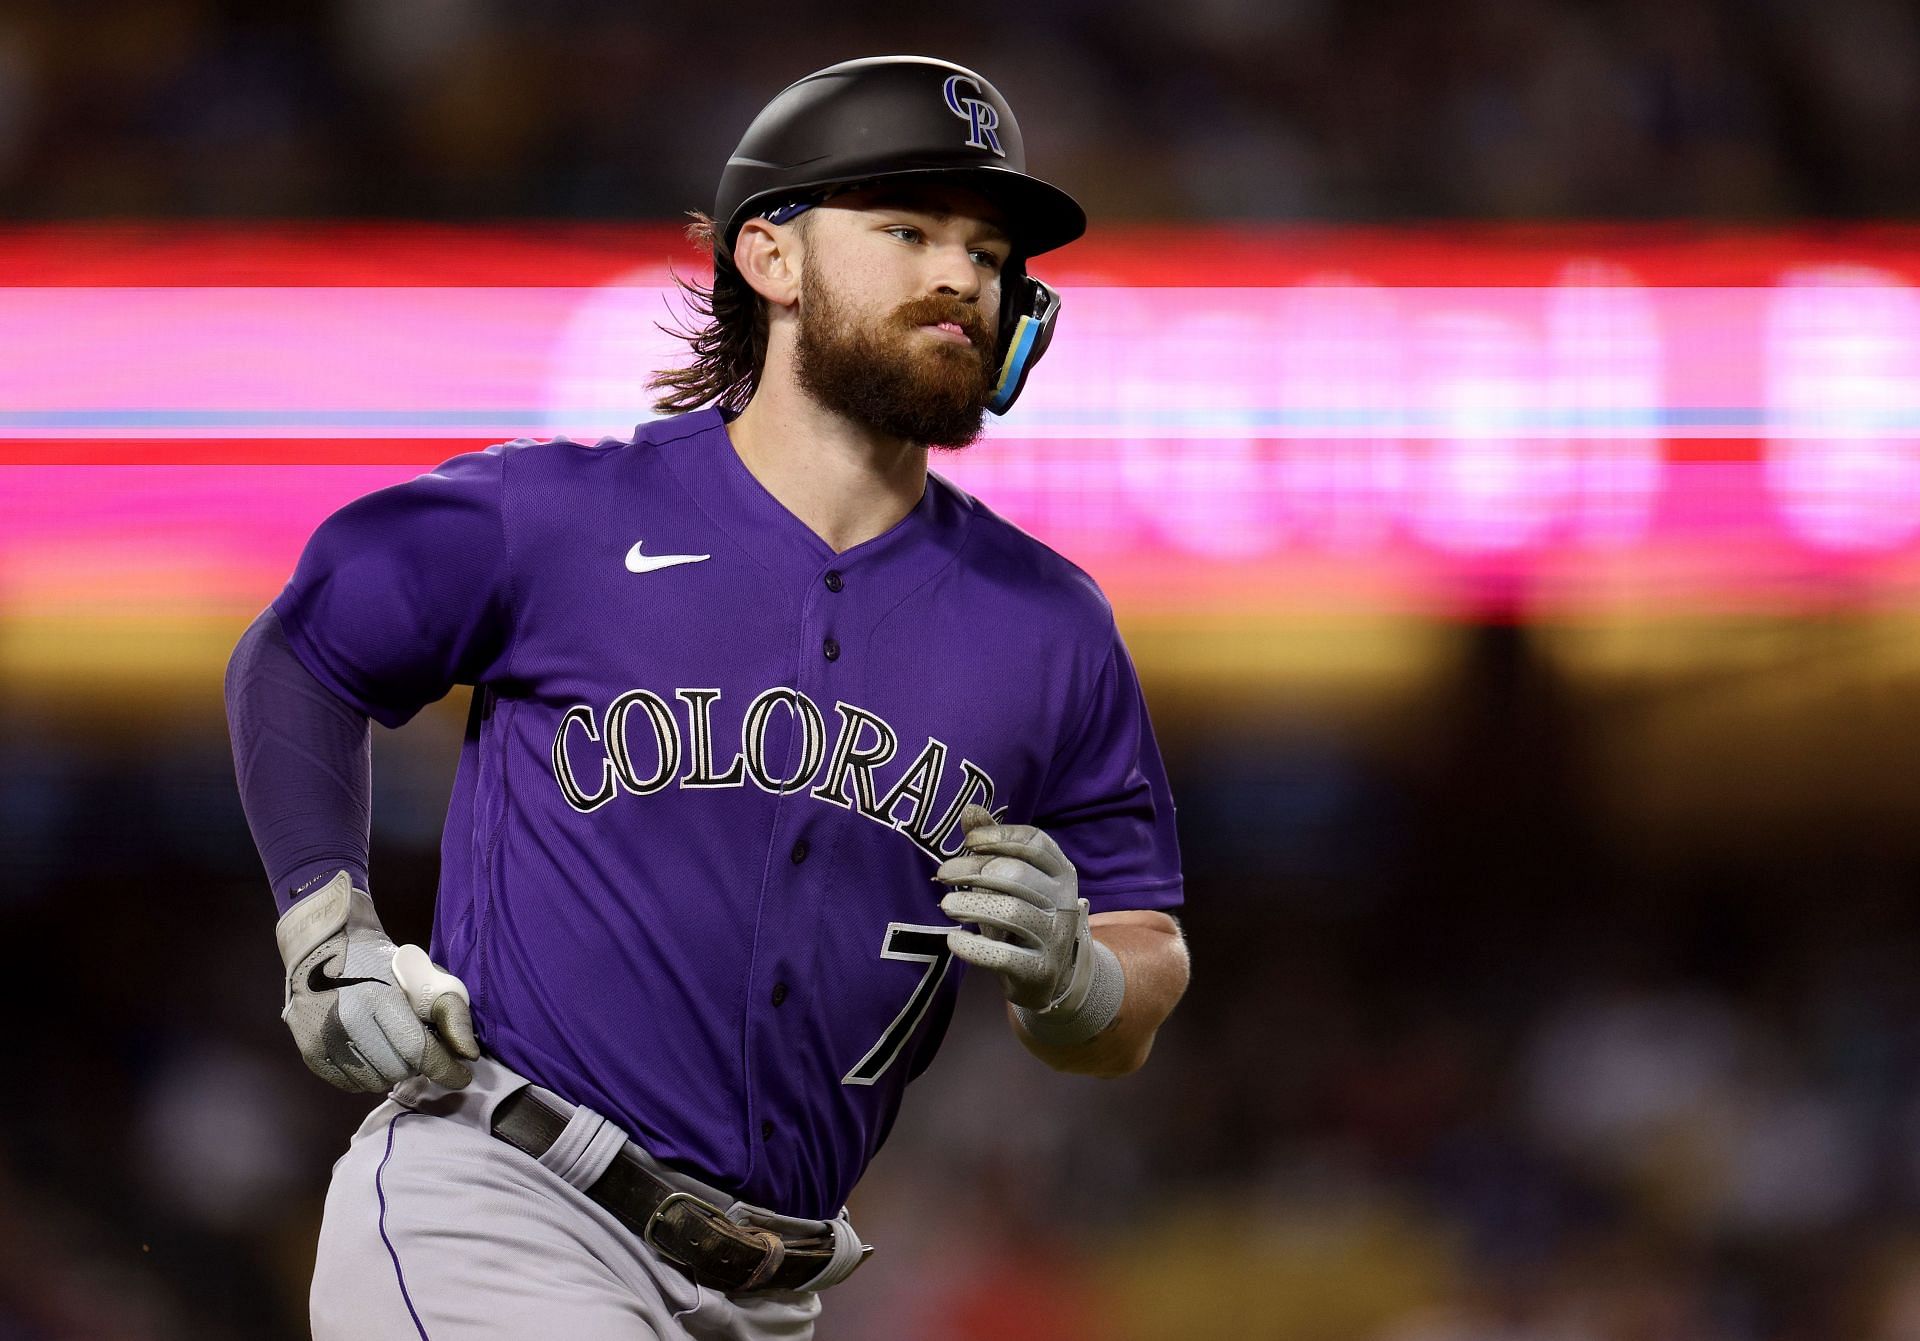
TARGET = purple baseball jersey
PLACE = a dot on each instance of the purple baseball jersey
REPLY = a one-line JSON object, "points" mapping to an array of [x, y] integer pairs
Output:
{"points": [[711, 765]]}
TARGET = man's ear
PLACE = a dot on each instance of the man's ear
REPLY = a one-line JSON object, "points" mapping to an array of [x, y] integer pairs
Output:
{"points": [[767, 256]]}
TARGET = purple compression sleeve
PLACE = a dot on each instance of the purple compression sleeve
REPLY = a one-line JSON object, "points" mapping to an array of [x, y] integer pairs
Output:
{"points": [[304, 761]]}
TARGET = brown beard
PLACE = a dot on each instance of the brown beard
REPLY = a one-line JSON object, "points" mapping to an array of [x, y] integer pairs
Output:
{"points": [[882, 375]]}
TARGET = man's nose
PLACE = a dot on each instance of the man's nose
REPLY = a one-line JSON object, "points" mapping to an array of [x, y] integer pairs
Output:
{"points": [[955, 274]]}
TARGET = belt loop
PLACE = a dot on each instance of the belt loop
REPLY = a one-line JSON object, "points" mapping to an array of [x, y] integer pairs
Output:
{"points": [[584, 1149], [848, 1253]]}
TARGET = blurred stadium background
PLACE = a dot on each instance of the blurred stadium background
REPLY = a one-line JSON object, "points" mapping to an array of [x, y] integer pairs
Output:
{"points": [[1496, 423]]}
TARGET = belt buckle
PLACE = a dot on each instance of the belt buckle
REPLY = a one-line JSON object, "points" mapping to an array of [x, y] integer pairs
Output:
{"points": [[646, 1234]]}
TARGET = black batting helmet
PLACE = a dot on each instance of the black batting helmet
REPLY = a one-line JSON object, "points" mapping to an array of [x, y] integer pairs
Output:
{"points": [[888, 118]]}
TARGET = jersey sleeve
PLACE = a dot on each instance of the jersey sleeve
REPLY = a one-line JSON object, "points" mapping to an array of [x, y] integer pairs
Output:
{"points": [[402, 594], [1106, 800]]}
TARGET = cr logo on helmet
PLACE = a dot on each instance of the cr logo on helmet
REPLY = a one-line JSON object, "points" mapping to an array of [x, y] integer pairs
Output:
{"points": [[981, 118]]}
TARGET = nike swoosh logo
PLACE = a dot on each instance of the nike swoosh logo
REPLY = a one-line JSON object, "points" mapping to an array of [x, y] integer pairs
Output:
{"points": [[647, 563], [318, 981]]}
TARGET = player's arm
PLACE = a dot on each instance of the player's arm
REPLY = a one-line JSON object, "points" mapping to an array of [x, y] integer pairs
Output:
{"points": [[364, 1013], [1086, 993], [304, 762]]}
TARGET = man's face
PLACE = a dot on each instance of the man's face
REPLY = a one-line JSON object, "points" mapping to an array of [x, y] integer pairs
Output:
{"points": [[899, 310]]}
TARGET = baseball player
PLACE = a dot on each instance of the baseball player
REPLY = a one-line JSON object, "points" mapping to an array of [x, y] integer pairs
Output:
{"points": [[773, 733]]}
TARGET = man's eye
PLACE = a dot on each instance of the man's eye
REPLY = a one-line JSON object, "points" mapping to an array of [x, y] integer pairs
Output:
{"points": [[989, 259], [904, 232]]}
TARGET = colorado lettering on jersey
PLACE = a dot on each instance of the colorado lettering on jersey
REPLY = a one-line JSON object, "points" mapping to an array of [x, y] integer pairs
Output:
{"points": [[643, 749]]}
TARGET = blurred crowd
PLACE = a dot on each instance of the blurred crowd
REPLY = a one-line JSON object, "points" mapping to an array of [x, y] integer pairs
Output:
{"points": [[1237, 108], [1457, 1065]]}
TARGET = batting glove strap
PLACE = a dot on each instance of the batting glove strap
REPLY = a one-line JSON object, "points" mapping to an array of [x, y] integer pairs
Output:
{"points": [[320, 917], [1090, 1003]]}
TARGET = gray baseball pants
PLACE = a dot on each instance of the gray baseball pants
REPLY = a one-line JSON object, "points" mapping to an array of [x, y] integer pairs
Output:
{"points": [[436, 1230]]}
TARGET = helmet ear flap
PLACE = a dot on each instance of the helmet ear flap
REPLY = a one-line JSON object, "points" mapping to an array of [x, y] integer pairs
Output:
{"points": [[1028, 309]]}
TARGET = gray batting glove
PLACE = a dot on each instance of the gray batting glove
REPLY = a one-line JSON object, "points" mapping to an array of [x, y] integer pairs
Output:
{"points": [[361, 1024], [1017, 886]]}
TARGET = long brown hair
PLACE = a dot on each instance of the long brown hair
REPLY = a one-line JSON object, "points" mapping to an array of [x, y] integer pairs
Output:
{"points": [[729, 339]]}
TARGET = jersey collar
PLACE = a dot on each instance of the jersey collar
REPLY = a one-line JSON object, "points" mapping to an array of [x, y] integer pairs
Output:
{"points": [[703, 458]]}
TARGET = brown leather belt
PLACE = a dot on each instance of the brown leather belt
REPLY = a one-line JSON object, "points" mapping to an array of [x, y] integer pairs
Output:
{"points": [[693, 1234]]}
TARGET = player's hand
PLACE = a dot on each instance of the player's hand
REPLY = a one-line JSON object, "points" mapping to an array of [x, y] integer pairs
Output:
{"points": [[1017, 886], [365, 1013]]}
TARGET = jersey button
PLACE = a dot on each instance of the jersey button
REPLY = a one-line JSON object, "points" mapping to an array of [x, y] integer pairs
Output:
{"points": [[766, 1129], [779, 993], [832, 649], [799, 852], [833, 580]]}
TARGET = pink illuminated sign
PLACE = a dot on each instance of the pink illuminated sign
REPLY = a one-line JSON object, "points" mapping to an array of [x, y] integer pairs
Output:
{"points": [[1465, 421]]}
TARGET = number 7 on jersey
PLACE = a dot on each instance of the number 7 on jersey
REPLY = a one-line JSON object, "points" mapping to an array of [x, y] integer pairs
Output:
{"points": [[920, 945]]}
